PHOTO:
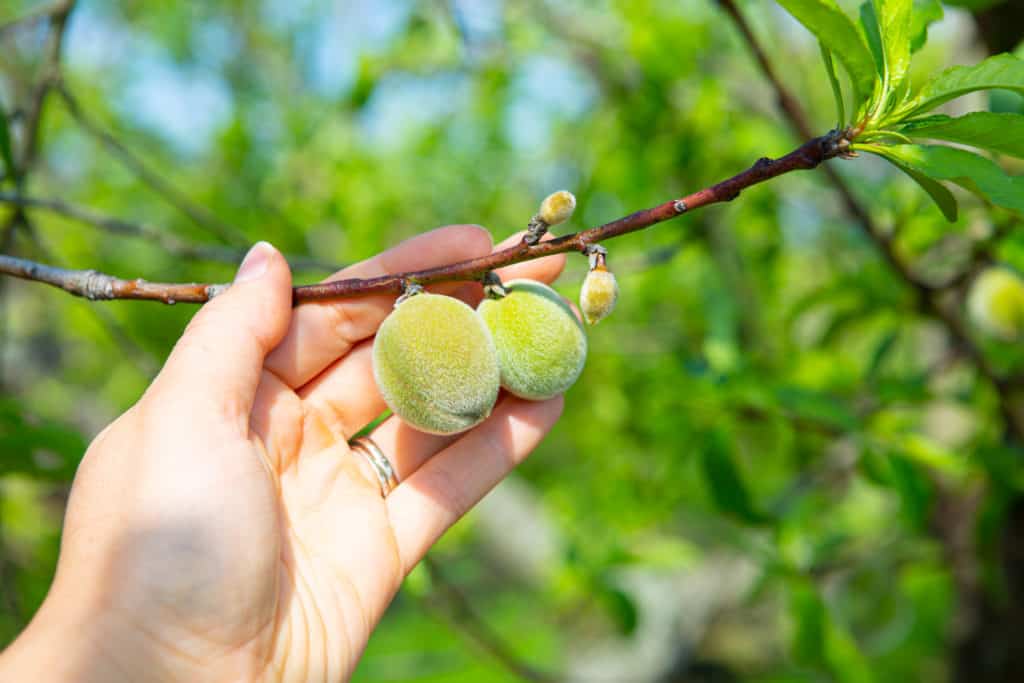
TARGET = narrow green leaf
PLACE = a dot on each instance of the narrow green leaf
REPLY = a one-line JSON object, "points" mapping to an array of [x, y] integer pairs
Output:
{"points": [[894, 23], [967, 169], [1001, 71], [724, 481], [808, 614], [837, 90], [839, 35], [1003, 133], [942, 197], [975, 5], [925, 13], [5, 143], [872, 32]]}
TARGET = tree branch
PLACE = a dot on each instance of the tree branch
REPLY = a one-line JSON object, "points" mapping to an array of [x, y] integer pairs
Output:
{"points": [[94, 285], [476, 629], [196, 213], [31, 17], [167, 242], [927, 295]]}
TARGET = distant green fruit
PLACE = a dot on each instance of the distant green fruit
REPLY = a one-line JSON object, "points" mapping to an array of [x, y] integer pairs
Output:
{"points": [[541, 344], [995, 303], [435, 364]]}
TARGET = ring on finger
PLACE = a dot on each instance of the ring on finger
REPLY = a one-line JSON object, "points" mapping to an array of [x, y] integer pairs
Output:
{"points": [[379, 463]]}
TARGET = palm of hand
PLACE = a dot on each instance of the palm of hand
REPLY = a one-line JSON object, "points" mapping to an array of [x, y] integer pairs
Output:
{"points": [[223, 528]]}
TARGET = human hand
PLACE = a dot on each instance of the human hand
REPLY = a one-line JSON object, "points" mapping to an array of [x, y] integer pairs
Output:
{"points": [[222, 530]]}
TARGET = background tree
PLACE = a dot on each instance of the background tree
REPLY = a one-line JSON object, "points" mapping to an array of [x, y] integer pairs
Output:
{"points": [[789, 457]]}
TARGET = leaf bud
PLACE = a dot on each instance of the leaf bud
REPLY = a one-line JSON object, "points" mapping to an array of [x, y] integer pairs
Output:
{"points": [[557, 207], [600, 291]]}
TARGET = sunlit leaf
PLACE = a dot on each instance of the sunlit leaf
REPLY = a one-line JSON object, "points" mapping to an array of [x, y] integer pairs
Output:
{"points": [[837, 90], [1001, 71], [839, 35], [894, 24], [942, 197], [967, 169], [1003, 133]]}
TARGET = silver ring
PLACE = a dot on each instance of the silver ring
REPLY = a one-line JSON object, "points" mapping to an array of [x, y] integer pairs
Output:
{"points": [[379, 462]]}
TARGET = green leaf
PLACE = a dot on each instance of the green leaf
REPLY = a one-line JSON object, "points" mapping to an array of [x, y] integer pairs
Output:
{"points": [[39, 449], [942, 197], [724, 480], [5, 143], [872, 32], [894, 23], [1003, 133], [808, 614], [975, 5], [837, 90], [925, 13], [967, 169], [999, 72], [839, 35]]}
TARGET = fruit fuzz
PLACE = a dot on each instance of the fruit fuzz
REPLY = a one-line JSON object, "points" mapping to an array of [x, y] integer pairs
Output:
{"points": [[540, 342], [435, 364]]}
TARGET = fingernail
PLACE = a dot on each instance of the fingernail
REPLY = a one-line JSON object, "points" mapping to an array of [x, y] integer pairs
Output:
{"points": [[254, 265]]}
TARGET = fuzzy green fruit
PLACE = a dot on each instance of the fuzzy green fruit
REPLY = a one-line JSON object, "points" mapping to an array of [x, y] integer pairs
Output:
{"points": [[435, 364], [995, 303], [541, 344]]}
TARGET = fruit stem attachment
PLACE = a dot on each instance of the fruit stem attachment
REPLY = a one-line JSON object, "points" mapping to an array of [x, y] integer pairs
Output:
{"points": [[493, 289], [598, 256], [409, 290]]}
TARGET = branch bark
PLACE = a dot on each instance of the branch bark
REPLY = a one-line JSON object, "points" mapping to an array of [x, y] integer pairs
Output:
{"points": [[94, 285]]}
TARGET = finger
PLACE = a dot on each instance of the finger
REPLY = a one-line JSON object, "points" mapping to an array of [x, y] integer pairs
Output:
{"points": [[220, 356], [444, 488], [321, 332], [345, 396]]}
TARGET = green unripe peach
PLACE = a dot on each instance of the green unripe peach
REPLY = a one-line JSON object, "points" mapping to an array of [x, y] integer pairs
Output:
{"points": [[995, 303], [435, 364], [541, 344]]}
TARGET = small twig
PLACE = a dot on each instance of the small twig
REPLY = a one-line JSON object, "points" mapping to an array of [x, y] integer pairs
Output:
{"points": [[30, 18], [167, 242], [94, 285], [51, 74], [927, 295], [476, 629], [98, 286], [196, 213]]}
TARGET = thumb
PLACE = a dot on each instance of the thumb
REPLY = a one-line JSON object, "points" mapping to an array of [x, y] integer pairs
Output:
{"points": [[218, 360]]}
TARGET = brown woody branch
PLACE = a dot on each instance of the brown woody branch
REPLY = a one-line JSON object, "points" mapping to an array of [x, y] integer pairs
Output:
{"points": [[166, 241], [94, 285]]}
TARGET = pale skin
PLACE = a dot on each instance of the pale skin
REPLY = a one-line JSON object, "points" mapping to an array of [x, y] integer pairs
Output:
{"points": [[221, 530]]}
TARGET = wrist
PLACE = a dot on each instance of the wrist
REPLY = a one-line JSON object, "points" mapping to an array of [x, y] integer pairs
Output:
{"points": [[55, 648]]}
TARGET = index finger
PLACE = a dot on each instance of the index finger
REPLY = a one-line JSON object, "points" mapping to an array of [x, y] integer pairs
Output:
{"points": [[323, 331]]}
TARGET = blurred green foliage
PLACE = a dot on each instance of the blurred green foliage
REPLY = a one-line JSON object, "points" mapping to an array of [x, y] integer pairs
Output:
{"points": [[767, 396]]}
